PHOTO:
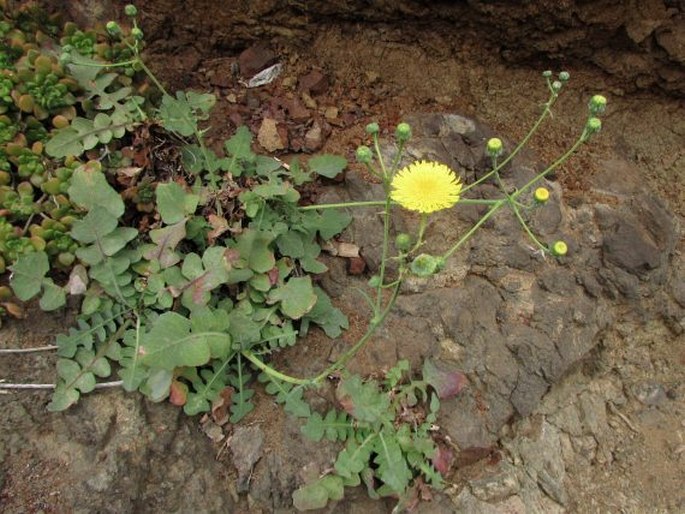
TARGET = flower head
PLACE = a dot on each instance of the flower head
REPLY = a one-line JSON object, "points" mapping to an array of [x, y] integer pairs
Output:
{"points": [[425, 186], [541, 194], [559, 248], [494, 147]]}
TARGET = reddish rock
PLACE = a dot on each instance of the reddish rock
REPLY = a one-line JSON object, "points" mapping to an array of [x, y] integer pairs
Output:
{"points": [[313, 139], [356, 266], [314, 82], [296, 111], [255, 59]]}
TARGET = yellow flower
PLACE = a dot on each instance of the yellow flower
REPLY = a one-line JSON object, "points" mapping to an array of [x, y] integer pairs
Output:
{"points": [[426, 187]]}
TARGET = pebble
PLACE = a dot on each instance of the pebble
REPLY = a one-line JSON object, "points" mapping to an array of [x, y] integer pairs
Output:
{"points": [[269, 137]]}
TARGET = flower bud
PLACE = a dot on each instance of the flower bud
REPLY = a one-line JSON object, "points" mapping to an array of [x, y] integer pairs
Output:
{"points": [[494, 147], [559, 248], [425, 265], [130, 10], [593, 125], [113, 28], [597, 105], [364, 154], [372, 128], [564, 76], [556, 86], [403, 242], [137, 33], [541, 195], [374, 281], [403, 132], [64, 58], [547, 73]]}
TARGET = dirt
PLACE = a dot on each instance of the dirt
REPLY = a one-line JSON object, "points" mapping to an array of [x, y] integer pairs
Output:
{"points": [[627, 452]]}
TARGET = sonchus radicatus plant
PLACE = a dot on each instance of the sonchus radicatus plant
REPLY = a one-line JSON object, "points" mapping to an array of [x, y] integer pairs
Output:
{"points": [[191, 276]]}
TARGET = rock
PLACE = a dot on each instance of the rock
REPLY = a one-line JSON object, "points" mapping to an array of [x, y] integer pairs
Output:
{"points": [[496, 486], [254, 59], [269, 136], [246, 448], [650, 393], [314, 83], [356, 265], [313, 139], [296, 111]]}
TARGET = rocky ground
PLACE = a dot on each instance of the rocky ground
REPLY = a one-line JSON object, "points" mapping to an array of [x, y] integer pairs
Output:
{"points": [[575, 401]]}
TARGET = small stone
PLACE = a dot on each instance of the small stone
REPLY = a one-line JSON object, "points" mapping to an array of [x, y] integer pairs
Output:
{"points": [[313, 139], [296, 111], [309, 101], [269, 137], [289, 82], [231, 98], [331, 113], [650, 393], [314, 82], [246, 447], [255, 59]]}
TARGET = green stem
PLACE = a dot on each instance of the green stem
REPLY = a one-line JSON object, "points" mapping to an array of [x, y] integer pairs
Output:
{"points": [[272, 372], [376, 203], [546, 112], [422, 230], [384, 252]]}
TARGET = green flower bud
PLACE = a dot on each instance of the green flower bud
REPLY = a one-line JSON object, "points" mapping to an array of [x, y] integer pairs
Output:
{"points": [[403, 132], [137, 33], [593, 125], [494, 147], [64, 58], [556, 86], [547, 73], [113, 28], [559, 248], [364, 154], [372, 128], [67, 48], [374, 281], [564, 76], [597, 105], [403, 242], [541, 195], [130, 10], [426, 265]]}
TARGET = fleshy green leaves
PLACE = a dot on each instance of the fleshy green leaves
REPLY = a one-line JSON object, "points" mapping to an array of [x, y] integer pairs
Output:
{"points": [[172, 343], [297, 297]]}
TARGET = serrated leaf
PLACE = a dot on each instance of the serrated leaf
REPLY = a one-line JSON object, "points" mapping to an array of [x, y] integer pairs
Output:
{"points": [[28, 273], [392, 466], [364, 400], [133, 373], [297, 297], [176, 114], [63, 398], [354, 458], [238, 147], [317, 494], [206, 388], [89, 189], [326, 315], [447, 383], [327, 165]]}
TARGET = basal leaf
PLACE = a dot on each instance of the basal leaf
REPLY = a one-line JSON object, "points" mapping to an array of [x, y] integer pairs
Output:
{"points": [[354, 458], [327, 165], [297, 297], [166, 240], [174, 203], [171, 344], [53, 297], [63, 398], [392, 466], [89, 189], [176, 114], [254, 246], [94, 226], [316, 495], [364, 400], [326, 315], [28, 273]]}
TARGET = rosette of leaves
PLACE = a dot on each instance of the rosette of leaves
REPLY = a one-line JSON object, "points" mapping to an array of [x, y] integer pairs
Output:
{"points": [[389, 440]]}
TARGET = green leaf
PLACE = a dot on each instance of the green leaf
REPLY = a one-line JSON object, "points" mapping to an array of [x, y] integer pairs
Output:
{"points": [[171, 344], [177, 115], [297, 297], [335, 426], [174, 203], [298, 175], [317, 494], [364, 400], [206, 388], [205, 275], [254, 246], [94, 226], [327, 165], [53, 297], [354, 458], [166, 240], [328, 317], [28, 273], [89, 189], [290, 244], [242, 403], [133, 373], [238, 147], [392, 466], [63, 398]]}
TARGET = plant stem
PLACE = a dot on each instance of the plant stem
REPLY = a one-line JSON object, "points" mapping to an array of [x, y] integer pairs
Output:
{"points": [[375, 203], [28, 350], [100, 385]]}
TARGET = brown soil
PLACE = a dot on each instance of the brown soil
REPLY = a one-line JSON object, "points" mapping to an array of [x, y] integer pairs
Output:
{"points": [[383, 71]]}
